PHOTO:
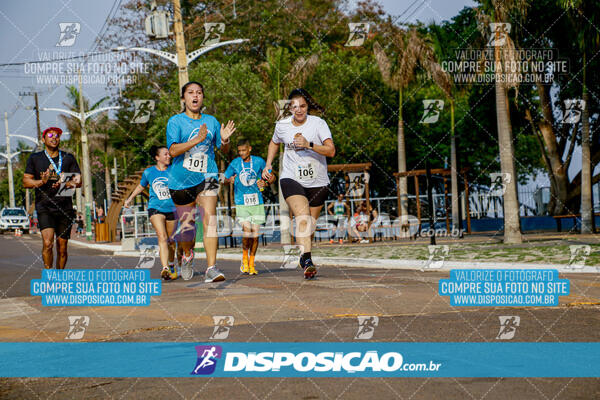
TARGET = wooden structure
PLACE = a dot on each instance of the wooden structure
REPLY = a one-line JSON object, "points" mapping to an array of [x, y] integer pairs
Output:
{"points": [[444, 173], [345, 168], [126, 187]]}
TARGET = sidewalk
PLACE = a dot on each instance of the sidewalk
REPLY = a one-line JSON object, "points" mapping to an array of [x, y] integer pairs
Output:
{"points": [[538, 254]]}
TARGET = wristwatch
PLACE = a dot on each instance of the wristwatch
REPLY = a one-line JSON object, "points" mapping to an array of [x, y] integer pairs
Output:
{"points": [[311, 145]]}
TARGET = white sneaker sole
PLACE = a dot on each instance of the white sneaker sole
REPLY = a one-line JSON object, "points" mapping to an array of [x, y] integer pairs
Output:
{"points": [[187, 272], [218, 278]]}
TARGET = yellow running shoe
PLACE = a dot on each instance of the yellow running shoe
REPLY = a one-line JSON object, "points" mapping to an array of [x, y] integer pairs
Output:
{"points": [[252, 270], [173, 272], [244, 269]]}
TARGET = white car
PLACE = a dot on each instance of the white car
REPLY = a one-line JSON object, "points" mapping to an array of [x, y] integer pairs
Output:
{"points": [[14, 218]]}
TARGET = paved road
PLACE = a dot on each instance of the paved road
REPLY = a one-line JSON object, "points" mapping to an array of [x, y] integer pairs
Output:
{"points": [[278, 305]]}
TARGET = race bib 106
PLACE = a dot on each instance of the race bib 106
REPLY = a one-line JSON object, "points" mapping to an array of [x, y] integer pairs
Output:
{"points": [[305, 172], [197, 162]]}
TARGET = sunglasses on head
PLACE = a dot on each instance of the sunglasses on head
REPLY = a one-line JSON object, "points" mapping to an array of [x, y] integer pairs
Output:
{"points": [[52, 135]]}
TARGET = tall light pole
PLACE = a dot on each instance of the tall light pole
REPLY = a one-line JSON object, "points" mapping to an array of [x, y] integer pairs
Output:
{"points": [[8, 156], [87, 175]]}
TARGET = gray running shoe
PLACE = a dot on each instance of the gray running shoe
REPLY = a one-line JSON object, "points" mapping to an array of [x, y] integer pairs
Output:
{"points": [[187, 269], [214, 275]]}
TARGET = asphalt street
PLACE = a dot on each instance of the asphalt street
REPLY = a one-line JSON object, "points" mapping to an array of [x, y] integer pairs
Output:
{"points": [[278, 305]]}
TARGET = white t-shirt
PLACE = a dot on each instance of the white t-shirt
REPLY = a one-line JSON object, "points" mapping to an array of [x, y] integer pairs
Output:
{"points": [[305, 166]]}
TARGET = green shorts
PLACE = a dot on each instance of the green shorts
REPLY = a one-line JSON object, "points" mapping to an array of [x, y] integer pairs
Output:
{"points": [[253, 214]]}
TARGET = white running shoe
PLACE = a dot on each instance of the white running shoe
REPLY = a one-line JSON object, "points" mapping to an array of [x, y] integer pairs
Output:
{"points": [[213, 274], [187, 266]]}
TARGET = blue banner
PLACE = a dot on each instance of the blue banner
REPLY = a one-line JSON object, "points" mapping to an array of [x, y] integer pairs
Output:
{"points": [[95, 287], [504, 287], [300, 359]]}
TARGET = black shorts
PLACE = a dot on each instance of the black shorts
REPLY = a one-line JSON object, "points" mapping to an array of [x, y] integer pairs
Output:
{"points": [[169, 216], [60, 221], [182, 197], [316, 196]]}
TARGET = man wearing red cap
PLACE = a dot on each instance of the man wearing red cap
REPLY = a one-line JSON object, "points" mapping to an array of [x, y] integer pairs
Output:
{"points": [[50, 172]]}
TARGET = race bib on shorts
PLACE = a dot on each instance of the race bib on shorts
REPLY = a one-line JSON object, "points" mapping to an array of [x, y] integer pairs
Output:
{"points": [[196, 162], [251, 199], [305, 172]]}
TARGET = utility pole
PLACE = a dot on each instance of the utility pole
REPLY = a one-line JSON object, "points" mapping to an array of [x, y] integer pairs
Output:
{"points": [[37, 118], [87, 176], [11, 184], [180, 44]]}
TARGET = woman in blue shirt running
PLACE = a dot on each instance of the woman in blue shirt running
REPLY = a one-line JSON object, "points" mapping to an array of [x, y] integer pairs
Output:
{"points": [[160, 207], [192, 137]]}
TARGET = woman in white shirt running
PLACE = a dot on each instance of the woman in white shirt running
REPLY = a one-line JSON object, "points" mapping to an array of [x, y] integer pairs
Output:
{"points": [[304, 180]]}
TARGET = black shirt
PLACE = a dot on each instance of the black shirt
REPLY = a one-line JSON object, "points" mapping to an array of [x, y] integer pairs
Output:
{"points": [[45, 196]]}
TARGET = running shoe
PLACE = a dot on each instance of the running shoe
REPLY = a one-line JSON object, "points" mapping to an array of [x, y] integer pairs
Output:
{"points": [[309, 269], [187, 263], [165, 274], [252, 270], [214, 275], [331, 241], [173, 271], [244, 268], [364, 241], [341, 241]]}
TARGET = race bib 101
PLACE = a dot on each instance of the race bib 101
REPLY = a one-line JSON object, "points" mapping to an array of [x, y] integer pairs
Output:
{"points": [[197, 162]]}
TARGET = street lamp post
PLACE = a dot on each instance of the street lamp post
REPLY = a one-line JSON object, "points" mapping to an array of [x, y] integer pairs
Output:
{"points": [[87, 175]]}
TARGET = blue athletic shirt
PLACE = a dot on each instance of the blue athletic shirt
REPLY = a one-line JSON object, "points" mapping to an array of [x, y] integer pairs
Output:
{"points": [[247, 173], [160, 198], [181, 129]]}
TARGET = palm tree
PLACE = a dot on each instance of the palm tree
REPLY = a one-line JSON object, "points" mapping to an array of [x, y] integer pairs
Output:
{"points": [[412, 50], [586, 34], [73, 125], [502, 11]]}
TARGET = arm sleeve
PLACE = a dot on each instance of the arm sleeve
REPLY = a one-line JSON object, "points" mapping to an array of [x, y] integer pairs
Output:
{"points": [[230, 171], [144, 180], [324, 132], [172, 133], [74, 165], [30, 168], [277, 135]]}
